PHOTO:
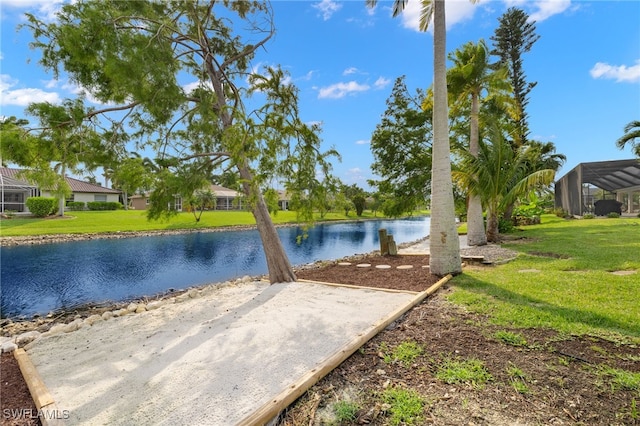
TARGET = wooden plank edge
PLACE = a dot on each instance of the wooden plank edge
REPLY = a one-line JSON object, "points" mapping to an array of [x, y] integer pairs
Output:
{"points": [[48, 412], [271, 409], [387, 290]]}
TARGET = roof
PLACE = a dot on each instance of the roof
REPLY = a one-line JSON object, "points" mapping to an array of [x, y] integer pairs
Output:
{"points": [[218, 191], [75, 184], [612, 175]]}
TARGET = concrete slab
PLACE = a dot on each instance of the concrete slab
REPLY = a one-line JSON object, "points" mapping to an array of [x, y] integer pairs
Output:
{"points": [[213, 359]]}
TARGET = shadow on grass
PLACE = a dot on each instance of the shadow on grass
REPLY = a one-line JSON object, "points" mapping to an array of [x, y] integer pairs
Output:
{"points": [[557, 314]]}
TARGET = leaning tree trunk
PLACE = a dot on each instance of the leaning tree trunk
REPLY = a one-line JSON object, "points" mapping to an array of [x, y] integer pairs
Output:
{"points": [[475, 223], [280, 269], [444, 243]]}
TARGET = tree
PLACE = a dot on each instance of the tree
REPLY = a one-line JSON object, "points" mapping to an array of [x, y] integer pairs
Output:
{"points": [[134, 55], [514, 37], [200, 200], [401, 148], [131, 176], [499, 175], [56, 147], [445, 245], [469, 79], [631, 137]]}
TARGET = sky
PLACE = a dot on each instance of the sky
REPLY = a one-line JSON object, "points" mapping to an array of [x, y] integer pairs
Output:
{"points": [[345, 58]]}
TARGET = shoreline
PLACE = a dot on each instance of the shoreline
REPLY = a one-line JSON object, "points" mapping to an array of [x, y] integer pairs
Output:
{"points": [[24, 240]]}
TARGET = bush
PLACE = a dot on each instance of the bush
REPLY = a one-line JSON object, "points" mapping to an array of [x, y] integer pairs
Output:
{"points": [[613, 215], [104, 205], [505, 225], [42, 206], [589, 216], [560, 212], [76, 205]]}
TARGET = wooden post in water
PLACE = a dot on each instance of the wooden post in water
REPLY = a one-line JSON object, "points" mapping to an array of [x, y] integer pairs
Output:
{"points": [[384, 241]]}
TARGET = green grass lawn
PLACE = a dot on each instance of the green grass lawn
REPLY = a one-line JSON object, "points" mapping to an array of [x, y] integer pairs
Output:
{"points": [[91, 222], [562, 279]]}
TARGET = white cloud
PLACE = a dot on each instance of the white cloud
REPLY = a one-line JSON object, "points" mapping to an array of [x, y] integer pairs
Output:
{"points": [[350, 70], [44, 10], [327, 8], [381, 83], [24, 96], [363, 142], [456, 11], [619, 73], [547, 8], [340, 90]]}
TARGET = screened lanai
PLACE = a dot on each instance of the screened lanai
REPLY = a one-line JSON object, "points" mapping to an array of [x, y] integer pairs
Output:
{"points": [[579, 191], [14, 193]]}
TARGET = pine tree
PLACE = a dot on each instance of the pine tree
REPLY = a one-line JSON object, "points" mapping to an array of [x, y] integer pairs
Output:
{"points": [[515, 36]]}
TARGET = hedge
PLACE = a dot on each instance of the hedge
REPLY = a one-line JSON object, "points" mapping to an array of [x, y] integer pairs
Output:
{"points": [[76, 205], [104, 205], [42, 206]]}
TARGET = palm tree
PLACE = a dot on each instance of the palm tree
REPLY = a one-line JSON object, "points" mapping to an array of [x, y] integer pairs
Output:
{"points": [[445, 245], [499, 175], [470, 77], [632, 137]]}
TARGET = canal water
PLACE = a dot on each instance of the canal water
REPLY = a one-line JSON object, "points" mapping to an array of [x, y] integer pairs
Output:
{"points": [[37, 279]]}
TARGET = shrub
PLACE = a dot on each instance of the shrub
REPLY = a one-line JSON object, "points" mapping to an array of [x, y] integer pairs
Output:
{"points": [[505, 225], [613, 215], [560, 212], [589, 216], [104, 205], [42, 206], [76, 205]]}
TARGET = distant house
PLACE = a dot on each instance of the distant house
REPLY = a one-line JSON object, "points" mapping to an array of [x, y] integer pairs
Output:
{"points": [[283, 199], [15, 191], [226, 199]]}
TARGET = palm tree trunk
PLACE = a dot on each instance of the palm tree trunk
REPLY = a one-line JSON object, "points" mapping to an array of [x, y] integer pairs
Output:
{"points": [[444, 242], [492, 226], [280, 269], [475, 223]]}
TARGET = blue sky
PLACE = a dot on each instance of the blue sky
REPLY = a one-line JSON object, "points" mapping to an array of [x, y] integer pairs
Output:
{"points": [[344, 58]]}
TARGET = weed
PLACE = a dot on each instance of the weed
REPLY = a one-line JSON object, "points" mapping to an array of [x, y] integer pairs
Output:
{"points": [[405, 353], [470, 371], [563, 361], [516, 373], [520, 387], [519, 379], [598, 349], [621, 379], [405, 406], [513, 339], [345, 411]]}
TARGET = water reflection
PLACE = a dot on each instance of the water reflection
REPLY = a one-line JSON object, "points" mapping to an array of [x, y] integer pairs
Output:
{"points": [[40, 278]]}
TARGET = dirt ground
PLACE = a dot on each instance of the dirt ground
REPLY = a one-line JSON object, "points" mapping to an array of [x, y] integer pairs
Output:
{"points": [[541, 377]]}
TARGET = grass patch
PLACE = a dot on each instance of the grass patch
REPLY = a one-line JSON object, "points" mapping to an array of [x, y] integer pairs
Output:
{"points": [[345, 411], [621, 379], [519, 379], [455, 371], [91, 222], [509, 338], [405, 406], [574, 292], [405, 353]]}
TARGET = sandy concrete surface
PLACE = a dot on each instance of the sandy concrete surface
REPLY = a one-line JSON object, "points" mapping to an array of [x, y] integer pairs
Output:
{"points": [[209, 360]]}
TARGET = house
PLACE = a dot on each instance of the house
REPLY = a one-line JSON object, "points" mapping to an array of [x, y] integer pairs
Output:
{"points": [[14, 191], [226, 199]]}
